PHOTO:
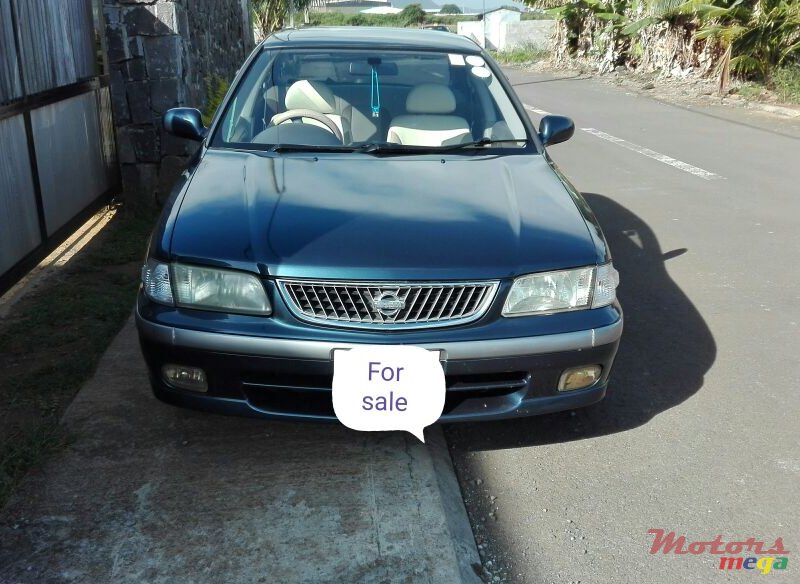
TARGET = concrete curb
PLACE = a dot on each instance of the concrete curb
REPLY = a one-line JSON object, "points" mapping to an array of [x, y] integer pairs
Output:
{"points": [[777, 109], [148, 492], [453, 508]]}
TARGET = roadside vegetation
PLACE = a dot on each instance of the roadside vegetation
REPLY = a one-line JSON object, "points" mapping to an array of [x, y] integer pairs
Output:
{"points": [[523, 54], [271, 15], [750, 41], [412, 15], [216, 88], [267, 16], [786, 83], [53, 337]]}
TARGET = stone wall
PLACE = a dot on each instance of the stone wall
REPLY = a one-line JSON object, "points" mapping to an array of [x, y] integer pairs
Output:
{"points": [[534, 34], [507, 36], [161, 54]]}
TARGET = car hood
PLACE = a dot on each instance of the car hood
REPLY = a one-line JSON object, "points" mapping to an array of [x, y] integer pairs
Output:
{"points": [[364, 217]]}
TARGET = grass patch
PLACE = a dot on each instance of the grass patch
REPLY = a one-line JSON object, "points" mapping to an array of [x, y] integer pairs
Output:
{"points": [[783, 85], [54, 336], [522, 54], [750, 90], [25, 449], [786, 83]]}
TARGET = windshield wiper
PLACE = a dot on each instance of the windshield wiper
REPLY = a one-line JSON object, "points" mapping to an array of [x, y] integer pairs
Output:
{"points": [[394, 148], [478, 143], [389, 147], [309, 148]]}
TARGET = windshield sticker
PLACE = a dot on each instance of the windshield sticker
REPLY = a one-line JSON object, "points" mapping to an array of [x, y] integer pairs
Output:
{"points": [[481, 72], [456, 59], [475, 61]]}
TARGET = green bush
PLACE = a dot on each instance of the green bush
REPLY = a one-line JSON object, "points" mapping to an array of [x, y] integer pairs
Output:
{"points": [[341, 19], [216, 88], [412, 14], [449, 9]]}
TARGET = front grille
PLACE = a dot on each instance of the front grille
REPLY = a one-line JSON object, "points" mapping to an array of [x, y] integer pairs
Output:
{"points": [[388, 304]]}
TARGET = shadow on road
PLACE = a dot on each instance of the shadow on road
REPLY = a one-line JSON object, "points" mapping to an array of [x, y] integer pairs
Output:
{"points": [[665, 352]]}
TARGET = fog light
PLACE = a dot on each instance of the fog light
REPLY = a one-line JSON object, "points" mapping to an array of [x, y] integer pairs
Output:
{"points": [[191, 378], [579, 377]]}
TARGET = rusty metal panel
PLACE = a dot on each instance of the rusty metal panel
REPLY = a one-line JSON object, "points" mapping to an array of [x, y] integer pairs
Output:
{"points": [[56, 42], [69, 155], [10, 83], [19, 221]]}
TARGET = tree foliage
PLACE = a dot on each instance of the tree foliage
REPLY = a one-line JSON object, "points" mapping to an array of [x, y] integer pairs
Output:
{"points": [[216, 88], [757, 35], [450, 9], [272, 15], [412, 14]]}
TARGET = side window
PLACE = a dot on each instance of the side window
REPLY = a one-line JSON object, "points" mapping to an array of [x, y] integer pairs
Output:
{"points": [[507, 124], [243, 116]]}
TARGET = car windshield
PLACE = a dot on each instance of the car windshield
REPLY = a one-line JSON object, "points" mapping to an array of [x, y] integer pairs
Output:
{"points": [[372, 101]]}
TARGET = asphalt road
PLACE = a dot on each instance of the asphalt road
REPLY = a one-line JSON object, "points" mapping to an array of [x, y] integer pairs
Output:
{"points": [[699, 433]]}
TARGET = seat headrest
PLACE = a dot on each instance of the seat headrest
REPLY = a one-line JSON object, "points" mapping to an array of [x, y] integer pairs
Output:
{"points": [[430, 98], [311, 95]]}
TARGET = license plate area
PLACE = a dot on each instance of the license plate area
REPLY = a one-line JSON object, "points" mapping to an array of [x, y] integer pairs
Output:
{"points": [[441, 352]]}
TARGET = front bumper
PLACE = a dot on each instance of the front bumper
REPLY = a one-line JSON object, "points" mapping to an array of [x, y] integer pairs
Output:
{"points": [[290, 378]]}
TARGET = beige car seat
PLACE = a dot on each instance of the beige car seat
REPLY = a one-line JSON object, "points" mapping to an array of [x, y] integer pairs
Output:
{"points": [[429, 121], [316, 96]]}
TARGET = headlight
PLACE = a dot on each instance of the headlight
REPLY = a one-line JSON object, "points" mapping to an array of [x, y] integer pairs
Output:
{"points": [[155, 282], [205, 288], [550, 292], [605, 286], [223, 290]]}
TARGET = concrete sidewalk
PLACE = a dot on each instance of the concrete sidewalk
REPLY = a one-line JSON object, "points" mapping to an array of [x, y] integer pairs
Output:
{"points": [[153, 493]]}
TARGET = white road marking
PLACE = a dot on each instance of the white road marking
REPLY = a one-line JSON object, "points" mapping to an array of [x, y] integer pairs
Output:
{"points": [[679, 164], [530, 108]]}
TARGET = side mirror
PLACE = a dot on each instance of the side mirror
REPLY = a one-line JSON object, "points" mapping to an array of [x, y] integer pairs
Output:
{"points": [[555, 129], [185, 122]]}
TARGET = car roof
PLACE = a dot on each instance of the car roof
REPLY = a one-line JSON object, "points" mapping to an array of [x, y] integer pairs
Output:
{"points": [[371, 37]]}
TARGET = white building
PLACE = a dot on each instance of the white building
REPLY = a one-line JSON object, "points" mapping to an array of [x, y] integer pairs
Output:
{"points": [[491, 31]]}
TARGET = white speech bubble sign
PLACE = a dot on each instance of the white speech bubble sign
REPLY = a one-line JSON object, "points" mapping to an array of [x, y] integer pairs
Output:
{"points": [[388, 387]]}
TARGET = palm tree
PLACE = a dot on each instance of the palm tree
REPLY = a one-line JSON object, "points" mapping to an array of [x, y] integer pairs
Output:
{"points": [[757, 35], [270, 15]]}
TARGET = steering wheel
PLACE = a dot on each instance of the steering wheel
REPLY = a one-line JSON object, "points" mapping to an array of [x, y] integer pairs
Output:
{"points": [[306, 113]]}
